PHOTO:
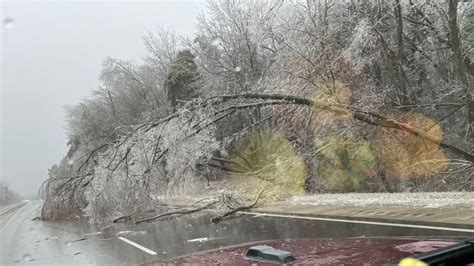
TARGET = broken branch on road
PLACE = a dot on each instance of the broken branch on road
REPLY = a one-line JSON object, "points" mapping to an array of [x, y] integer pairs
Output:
{"points": [[239, 209]]}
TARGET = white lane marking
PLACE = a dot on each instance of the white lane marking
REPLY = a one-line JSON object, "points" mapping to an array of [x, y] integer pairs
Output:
{"points": [[149, 251], [363, 222], [13, 217]]}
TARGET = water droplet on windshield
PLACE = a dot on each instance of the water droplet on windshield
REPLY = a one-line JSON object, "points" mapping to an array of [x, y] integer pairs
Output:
{"points": [[215, 42], [8, 23], [27, 257]]}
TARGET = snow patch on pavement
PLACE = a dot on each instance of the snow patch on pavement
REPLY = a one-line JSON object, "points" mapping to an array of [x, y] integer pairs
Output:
{"points": [[130, 233], [199, 240]]}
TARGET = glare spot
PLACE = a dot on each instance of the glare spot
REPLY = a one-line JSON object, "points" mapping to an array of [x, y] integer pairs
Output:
{"points": [[330, 100], [407, 155], [266, 157], [70, 162], [8, 23], [238, 69], [345, 162], [130, 233]]}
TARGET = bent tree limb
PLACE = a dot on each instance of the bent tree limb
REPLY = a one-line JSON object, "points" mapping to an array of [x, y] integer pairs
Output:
{"points": [[368, 117], [255, 100]]}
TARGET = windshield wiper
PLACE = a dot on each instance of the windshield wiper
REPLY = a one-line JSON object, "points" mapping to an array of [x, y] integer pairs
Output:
{"points": [[458, 254]]}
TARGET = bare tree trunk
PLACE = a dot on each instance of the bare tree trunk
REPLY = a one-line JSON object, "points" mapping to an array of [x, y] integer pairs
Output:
{"points": [[402, 79], [456, 46], [112, 105]]}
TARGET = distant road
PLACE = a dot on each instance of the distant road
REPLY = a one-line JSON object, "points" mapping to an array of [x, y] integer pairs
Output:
{"points": [[4, 208], [26, 242], [8, 213]]}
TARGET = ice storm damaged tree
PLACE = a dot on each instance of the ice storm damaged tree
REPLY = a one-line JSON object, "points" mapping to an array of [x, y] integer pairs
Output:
{"points": [[161, 157], [314, 96]]}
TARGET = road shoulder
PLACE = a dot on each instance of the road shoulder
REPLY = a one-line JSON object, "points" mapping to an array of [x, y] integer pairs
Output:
{"points": [[438, 209]]}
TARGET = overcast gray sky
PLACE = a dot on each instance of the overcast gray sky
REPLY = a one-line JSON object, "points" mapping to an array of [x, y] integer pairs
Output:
{"points": [[52, 57]]}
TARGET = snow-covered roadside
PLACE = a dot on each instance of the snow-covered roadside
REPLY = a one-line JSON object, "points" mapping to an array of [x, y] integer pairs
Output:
{"points": [[422, 200], [431, 200]]}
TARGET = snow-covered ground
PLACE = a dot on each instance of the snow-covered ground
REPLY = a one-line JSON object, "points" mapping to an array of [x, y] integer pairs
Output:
{"points": [[422, 200]]}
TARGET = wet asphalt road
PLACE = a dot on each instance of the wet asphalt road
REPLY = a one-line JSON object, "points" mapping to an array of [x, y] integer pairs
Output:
{"points": [[25, 242]]}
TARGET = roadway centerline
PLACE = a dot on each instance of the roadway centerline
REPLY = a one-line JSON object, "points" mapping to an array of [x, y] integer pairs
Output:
{"points": [[441, 228], [149, 251], [13, 217]]}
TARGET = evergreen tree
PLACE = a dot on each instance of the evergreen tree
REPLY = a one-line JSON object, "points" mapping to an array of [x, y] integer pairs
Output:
{"points": [[181, 79]]}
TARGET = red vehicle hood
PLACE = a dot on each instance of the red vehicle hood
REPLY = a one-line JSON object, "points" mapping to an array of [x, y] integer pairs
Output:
{"points": [[323, 251]]}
